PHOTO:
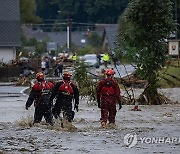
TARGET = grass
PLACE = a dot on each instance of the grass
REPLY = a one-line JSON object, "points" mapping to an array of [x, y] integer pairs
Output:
{"points": [[170, 75]]}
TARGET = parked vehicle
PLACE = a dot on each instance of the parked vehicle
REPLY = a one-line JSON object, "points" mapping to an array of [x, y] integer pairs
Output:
{"points": [[91, 60]]}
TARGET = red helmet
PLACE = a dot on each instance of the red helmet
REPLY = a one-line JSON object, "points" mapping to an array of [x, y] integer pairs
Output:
{"points": [[66, 75], [110, 72], [40, 76]]}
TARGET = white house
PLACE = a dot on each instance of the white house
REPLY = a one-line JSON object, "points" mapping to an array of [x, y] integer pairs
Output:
{"points": [[10, 29]]}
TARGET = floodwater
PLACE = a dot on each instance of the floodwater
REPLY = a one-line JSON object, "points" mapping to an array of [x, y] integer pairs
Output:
{"points": [[147, 131]]}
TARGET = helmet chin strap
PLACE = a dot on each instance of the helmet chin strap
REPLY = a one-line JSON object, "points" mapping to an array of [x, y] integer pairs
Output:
{"points": [[109, 76], [39, 80], [66, 78]]}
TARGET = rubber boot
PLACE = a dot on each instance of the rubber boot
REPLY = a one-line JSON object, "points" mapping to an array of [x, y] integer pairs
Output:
{"points": [[103, 124]]}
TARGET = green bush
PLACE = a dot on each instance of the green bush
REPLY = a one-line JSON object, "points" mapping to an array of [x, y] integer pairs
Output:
{"points": [[87, 86], [87, 50]]}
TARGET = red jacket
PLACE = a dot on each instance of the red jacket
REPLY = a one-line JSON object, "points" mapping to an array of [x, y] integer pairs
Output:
{"points": [[113, 91], [37, 90]]}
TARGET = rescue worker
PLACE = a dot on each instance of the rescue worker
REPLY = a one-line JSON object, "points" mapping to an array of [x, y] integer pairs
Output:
{"points": [[43, 65], [105, 59], [108, 94], [40, 95], [98, 60], [65, 91], [74, 57], [102, 73], [58, 69], [114, 59]]}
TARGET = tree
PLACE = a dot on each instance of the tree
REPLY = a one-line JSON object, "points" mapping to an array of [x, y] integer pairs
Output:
{"points": [[102, 11], [47, 10], [28, 11], [95, 40], [85, 83], [149, 24], [178, 17], [125, 50], [72, 9], [82, 11]]}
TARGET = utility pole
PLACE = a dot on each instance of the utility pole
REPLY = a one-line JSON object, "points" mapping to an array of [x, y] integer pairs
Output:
{"points": [[69, 35], [69, 24]]}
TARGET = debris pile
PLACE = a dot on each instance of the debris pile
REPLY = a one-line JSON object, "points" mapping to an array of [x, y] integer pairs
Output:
{"points": [[133, 80]]}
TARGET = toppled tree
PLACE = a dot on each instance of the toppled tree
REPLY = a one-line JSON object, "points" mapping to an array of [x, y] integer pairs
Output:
{"points": [[143, 29]]}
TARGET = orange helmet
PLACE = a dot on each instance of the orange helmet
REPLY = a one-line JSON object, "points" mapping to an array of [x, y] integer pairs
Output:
{"points": [[110, 72], [66, 75], [40, 76]]}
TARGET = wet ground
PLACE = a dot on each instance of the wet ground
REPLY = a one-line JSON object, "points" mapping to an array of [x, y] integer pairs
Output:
{"points": [[155, 129]]}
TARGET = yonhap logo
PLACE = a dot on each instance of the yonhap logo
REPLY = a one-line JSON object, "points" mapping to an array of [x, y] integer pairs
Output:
{"points": [[130, 140]]}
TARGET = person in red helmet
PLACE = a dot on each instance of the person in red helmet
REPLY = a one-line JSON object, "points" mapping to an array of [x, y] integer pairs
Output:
{"points": [[65, 91], [40, 95], [108, 94]]}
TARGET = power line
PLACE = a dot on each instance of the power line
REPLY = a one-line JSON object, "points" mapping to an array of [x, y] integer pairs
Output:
{"points": [[54, 19], [56, 22], [49, 24], [79, 23]]}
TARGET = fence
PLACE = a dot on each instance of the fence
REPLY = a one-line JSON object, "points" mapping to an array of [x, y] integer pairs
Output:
{"points": [[6, 73]]}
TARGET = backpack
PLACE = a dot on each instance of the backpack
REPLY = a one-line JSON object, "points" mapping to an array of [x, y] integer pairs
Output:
{"points": [[66, 88], [108, 88], [44, 94]]}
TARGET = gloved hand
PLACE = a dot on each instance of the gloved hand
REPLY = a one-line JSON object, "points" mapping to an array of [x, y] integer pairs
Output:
{"points": [[120, 105], [99, 104], [26, 107], [98, 101], [76, 107]]}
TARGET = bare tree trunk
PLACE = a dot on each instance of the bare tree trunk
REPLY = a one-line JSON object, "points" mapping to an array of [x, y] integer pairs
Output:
{"points": [[150, 96]]}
